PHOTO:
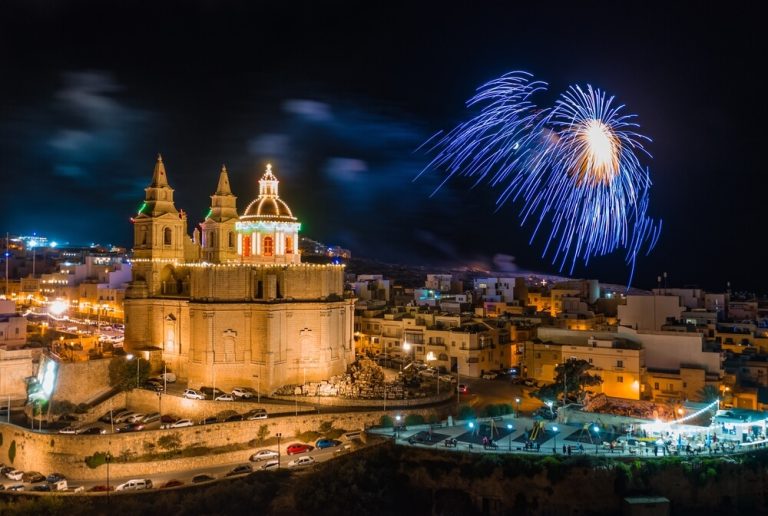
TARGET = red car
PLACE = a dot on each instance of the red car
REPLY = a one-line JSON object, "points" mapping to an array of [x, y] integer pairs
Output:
{"points": [[295, 448]]}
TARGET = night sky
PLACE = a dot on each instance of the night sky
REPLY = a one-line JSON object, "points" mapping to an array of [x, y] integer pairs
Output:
{"points": [[339, 97]]}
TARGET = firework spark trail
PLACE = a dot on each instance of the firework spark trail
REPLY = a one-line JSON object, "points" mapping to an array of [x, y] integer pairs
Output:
{"points": [[574, 167]]}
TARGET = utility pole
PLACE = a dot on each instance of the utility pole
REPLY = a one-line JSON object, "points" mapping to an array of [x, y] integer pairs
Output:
{"points": [[7, 256]]}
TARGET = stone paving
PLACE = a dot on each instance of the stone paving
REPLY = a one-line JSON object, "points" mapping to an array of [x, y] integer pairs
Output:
{"points": [[471, 438]]}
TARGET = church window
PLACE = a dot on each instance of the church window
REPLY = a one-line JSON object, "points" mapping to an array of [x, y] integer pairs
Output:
{"points": [[231, 239], [167, 236], [268, 246], [211, 239], [247, 245], [143, 236], [288, 245]]}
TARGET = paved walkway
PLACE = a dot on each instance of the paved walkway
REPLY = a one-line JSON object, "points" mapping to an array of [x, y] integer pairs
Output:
{"points": [[550, 438]]}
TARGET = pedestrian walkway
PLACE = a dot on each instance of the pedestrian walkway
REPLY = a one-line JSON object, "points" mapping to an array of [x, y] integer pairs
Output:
{"points": [[533, 436]]}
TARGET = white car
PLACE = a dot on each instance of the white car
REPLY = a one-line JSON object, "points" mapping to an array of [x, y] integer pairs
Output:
{"points": [[137, 417], [301, 462], [123, 418], [242, 392], [68, 430], [135, 485], [192, 394], [271, 464], [14, 475], [256, 414], [264, 455], [181, 423], [225, 397]]}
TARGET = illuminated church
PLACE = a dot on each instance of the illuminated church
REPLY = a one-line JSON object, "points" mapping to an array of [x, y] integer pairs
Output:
{"points": [[233, 305]]}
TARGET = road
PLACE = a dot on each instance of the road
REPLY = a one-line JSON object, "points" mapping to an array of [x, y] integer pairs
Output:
{"points": [[185, 476]]}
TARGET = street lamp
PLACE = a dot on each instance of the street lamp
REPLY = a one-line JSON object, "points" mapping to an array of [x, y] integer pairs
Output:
{"points": [[279, 435], [397, 425], [549, 404], [431, 358], [509, 427], [597, 432], [517, 400], [130, 357], [554, 429]]}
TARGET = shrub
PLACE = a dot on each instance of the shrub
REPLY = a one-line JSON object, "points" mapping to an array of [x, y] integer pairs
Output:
{"points": [[12, 451], [466, 412], [96, 460], [386, 421], [170, 442], [326, 426], [263, 433], [414, 419]]}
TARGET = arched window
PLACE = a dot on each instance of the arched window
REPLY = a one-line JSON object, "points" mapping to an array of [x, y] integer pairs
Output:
{"points": [[442, 356], [247, 245], [268, 246], [288, 245], [143, 236], [211, 239], [231, 239], [167, 236]]}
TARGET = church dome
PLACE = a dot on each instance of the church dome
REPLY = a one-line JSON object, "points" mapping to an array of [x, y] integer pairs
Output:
{"points": [[268, 205]]}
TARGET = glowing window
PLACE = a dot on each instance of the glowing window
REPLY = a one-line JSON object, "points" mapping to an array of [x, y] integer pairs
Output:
{"points": [[167, 236], [247, 245], [268, 246], [288, 245]]}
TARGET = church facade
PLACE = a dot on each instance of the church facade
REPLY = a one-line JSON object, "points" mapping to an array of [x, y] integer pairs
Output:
{"points": [[233, 305]]}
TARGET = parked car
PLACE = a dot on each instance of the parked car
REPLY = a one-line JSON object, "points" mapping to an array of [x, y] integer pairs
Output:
{"points": [[447, 378], [32, 477], [131, 427], [242, 392], [529, 382], [225, 397], [169, 418], [135, 418], [235, 417], [153, 386], [326, 443], [54, 477], [109, 416], [489, 375], [93, 430], [17, 487], [202, 478], [256, 414], [264, 455], [123, 418], [172, 483], [192, 394], [208, 421], [270, 464], [68, 430], [168, 377], [297, 448], [301, 462], [101, 488], [135, 485], [240, 470], [463, 388], [210, 392], [151, 418], [14, 474], [181, 423], [41, 487]]}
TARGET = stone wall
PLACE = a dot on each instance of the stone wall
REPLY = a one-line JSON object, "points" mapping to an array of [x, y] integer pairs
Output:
{"points": [[66, 454], [78, 381], [350, 402], [146, 401]]}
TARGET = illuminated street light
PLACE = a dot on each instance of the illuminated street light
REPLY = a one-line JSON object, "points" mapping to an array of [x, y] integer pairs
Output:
{"points": [[509, 427]]}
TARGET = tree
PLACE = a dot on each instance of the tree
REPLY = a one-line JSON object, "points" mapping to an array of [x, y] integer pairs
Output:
{"points": [[570, 379], [708, 393], [123, 373]]}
